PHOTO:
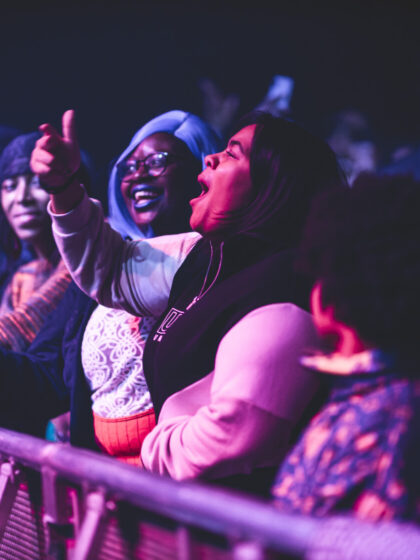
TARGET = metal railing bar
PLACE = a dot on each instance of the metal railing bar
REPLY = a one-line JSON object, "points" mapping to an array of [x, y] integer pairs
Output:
{"points": [[190, 503]]}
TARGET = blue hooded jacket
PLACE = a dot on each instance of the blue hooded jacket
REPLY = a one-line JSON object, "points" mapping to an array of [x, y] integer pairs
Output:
{"points": [[196, 134]]}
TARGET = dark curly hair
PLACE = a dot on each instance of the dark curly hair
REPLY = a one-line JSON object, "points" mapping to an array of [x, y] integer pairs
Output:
{"points": [[363, 245]]}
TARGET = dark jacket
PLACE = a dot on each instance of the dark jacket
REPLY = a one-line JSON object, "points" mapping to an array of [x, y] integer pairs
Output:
{"points": [[48, 379]]}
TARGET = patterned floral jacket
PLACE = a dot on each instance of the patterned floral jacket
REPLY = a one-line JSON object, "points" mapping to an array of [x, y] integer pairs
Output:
{"points": [[353, 455]]}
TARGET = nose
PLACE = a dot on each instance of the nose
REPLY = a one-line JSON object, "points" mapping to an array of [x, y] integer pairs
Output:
{"points": [[23, 190], [139, 174], [212, 160], [141, 170]]}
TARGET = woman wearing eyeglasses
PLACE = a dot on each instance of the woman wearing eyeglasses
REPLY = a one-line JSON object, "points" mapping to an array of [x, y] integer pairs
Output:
{"points": [[88, 358], [154, 176]]}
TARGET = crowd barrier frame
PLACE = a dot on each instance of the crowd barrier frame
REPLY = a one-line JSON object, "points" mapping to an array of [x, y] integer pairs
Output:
{"points": [[58, 502], [95, 484]]}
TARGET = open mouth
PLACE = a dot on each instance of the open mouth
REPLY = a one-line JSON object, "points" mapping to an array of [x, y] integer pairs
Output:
{"points": [[145, 197], [204, 189]]}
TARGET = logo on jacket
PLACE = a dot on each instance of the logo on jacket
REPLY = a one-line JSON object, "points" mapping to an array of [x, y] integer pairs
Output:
{"points": [[167, 323]]}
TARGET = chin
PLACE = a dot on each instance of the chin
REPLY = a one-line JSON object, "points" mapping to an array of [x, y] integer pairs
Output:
{"points": [[197, 221], [28, 236], [196, 226], [145, 219]]}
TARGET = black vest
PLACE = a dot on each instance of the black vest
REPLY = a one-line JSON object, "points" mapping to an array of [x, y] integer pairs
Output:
{"points": [[182, 347]]}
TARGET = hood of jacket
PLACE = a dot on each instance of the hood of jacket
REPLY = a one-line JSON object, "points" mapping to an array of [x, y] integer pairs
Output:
{"points": [[195, 133]]}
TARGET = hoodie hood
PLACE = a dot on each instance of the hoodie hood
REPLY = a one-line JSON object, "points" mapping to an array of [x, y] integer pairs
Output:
{"points": [[195, 133]]}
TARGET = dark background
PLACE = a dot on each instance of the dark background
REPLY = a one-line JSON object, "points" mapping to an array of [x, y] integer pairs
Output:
{"points": [[119, 64]]}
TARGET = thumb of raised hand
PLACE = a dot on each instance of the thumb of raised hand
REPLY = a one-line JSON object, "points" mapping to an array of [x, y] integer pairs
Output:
{"points": [[69, 127], [70, 140], [56, 158]]}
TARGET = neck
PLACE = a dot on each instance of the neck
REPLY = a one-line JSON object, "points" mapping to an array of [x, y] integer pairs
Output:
{"points": [[43, 247]]}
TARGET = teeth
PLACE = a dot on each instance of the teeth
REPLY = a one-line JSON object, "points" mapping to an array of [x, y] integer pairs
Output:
{"points": [[144, 195]]}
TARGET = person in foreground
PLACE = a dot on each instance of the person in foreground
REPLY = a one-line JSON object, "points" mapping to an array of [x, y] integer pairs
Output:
{"points": [[221, 362], [360, 453], [89, 358]]}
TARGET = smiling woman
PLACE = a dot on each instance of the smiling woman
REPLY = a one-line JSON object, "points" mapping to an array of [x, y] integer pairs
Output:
{"points": [[157, 177], [24, 203], [147, 196], [24, 212]]}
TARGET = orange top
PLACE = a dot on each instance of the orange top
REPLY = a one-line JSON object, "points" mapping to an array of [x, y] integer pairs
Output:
{"points": [[123, 437]]}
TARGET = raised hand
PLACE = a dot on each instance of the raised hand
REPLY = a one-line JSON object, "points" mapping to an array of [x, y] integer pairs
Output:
{"points": [[56, 158]]}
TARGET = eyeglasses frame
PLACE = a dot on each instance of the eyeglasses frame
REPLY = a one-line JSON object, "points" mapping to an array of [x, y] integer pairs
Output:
{"points": [[138, 162]]}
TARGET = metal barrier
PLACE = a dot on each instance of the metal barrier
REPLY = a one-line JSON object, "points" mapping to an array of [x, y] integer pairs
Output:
{"points": [[62, 503], [57, 501]]}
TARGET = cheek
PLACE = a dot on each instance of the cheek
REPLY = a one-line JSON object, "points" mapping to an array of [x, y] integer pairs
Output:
{"points": [[237, 188], [246, 191], [6, 202], [124, 186], [237, 198]]}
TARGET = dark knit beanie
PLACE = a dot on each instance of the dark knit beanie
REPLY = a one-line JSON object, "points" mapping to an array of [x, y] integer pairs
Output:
{"points": [[7, 133], [16, 156]]}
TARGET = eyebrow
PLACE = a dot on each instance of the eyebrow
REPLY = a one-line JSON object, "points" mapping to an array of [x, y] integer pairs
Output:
{"points": [[233, 143]]}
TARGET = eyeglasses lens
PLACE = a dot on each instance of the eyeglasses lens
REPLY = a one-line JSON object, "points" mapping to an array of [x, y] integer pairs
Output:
{"points": [[153, 165]]}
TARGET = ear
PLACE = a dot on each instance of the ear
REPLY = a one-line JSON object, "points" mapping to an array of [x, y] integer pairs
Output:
{"points": [[323, 316]]}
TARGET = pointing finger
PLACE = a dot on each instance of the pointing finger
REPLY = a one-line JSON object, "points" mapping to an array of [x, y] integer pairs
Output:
{"points": [[48, 129], [39, 168], [44, 157], [48, 142]]}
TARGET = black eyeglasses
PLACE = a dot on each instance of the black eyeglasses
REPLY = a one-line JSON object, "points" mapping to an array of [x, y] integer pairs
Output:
{"points": [[154, 164]]}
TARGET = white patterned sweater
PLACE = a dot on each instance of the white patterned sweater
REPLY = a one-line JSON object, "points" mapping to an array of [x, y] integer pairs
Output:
{"points": [[112, 359]]}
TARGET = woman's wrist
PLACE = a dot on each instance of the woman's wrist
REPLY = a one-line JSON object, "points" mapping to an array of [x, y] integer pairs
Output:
{"points": [[59, 188], [67, 199]]}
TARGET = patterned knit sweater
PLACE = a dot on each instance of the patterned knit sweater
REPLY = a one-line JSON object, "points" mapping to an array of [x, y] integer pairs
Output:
{"points": [[34, 291]]}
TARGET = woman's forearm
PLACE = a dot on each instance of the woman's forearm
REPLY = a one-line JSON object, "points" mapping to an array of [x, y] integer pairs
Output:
{"points": [[135, 276]]}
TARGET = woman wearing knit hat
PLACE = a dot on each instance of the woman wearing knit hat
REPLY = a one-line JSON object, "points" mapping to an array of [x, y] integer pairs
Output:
{"points": [[24, 219]]}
